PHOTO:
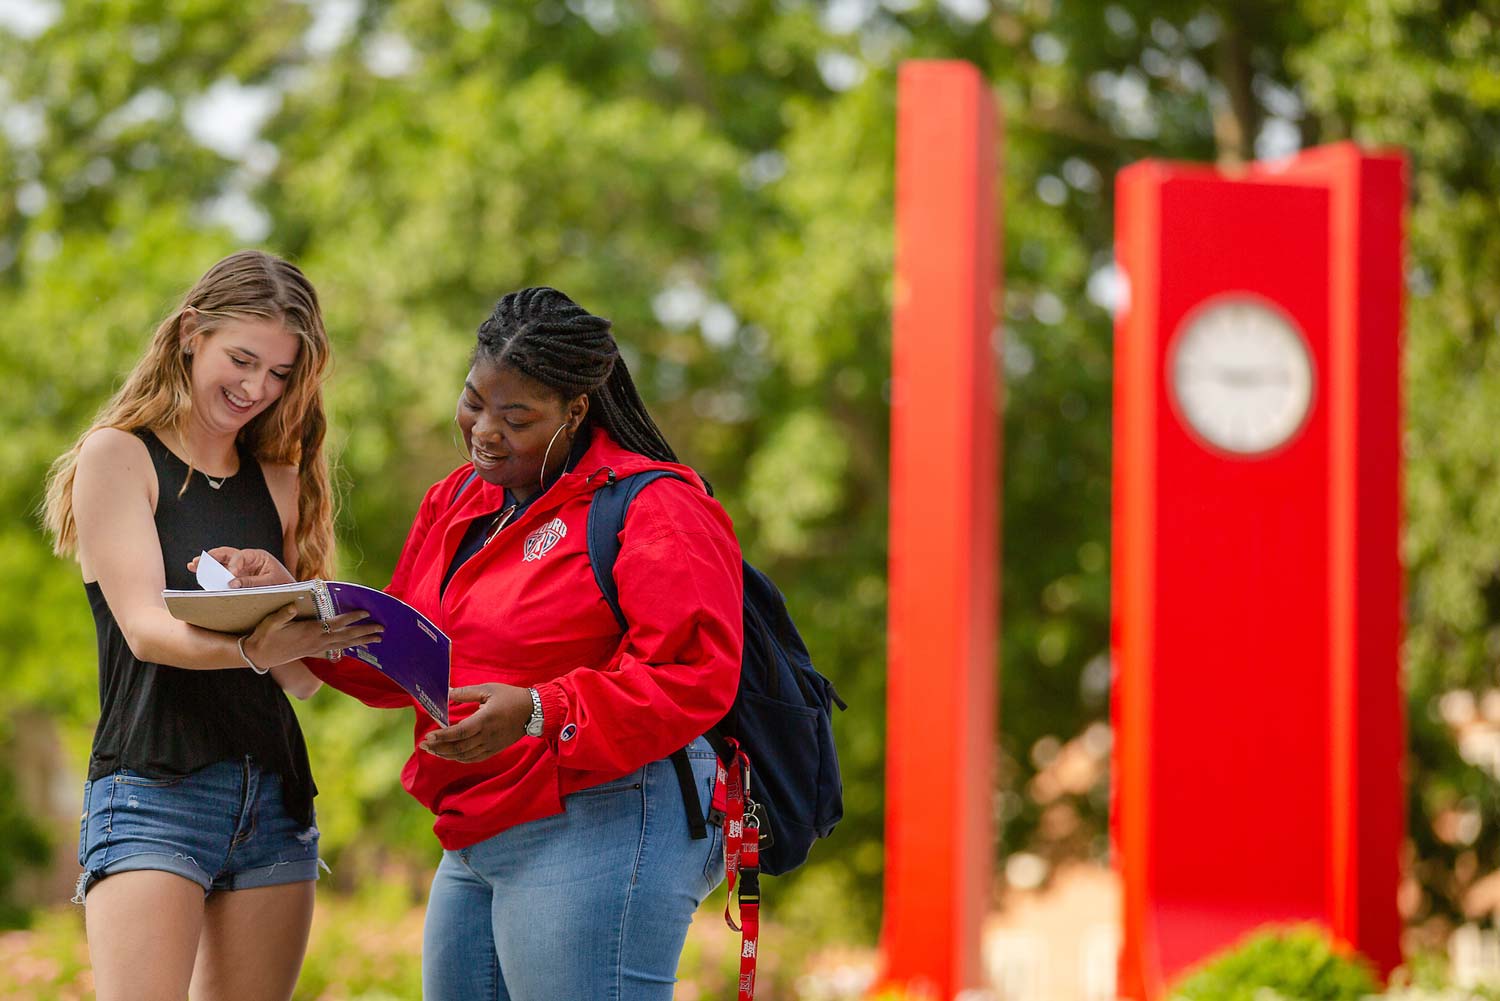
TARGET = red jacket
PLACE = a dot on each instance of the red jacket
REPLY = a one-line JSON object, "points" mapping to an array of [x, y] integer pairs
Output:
{"points": [[611, 703]]}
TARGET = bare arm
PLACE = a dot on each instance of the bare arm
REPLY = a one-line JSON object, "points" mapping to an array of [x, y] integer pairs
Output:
{"points": [[293, 677], [114, 495]]}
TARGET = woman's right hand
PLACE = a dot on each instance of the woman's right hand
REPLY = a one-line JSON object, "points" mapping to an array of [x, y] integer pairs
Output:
{"points": [[282, 637], [250, 567]]}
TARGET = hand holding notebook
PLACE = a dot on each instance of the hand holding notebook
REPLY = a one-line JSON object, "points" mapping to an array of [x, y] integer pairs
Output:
{"points": [[240, 568], [414, 653]]}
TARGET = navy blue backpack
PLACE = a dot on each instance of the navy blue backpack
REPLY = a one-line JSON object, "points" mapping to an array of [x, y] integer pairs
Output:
{"points": [[781, 716]]}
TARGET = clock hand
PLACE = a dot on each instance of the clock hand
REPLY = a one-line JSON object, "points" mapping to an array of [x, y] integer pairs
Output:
{"points": [[1250, 378]]}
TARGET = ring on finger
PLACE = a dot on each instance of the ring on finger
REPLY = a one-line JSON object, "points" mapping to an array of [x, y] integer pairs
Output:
{"points": [[326, 628]]}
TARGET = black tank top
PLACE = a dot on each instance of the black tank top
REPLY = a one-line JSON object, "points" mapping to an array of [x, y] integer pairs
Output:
{"points": [[167, 721]]}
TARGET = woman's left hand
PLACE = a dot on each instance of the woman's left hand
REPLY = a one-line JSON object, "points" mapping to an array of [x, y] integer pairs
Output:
{"points": [[499, 722]]}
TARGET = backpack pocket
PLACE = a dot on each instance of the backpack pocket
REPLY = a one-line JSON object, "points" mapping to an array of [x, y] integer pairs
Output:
{"points": [[785, 775]]}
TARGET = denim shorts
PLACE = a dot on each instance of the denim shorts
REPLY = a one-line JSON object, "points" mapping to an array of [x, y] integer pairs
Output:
{"points": [[223, 826]]}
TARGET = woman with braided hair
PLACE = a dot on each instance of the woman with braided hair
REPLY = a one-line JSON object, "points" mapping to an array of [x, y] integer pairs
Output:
{"points": [[569, 870]]}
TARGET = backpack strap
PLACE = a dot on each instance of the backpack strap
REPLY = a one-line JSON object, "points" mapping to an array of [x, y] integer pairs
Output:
{"points": [[606, 522], [697, 826], [462, 487]]}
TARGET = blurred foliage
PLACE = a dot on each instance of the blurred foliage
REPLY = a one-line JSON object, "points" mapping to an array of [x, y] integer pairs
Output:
{"points": [[1298, 964], [1428, 976], [47, 962], [366, 946], [717, 178], [25, 843]]}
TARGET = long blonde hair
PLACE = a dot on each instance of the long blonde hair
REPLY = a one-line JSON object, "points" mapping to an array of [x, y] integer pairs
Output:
{"points": [[157, 394]]}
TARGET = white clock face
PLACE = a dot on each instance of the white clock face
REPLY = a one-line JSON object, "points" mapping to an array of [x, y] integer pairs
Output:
{"points": [[1241, 376]]}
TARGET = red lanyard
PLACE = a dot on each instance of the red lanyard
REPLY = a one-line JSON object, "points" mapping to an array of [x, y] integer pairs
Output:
{"points": [[741, 861]]}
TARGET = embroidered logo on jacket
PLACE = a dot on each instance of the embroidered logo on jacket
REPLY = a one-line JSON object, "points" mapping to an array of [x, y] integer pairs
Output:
{"points": [[540, 542]]}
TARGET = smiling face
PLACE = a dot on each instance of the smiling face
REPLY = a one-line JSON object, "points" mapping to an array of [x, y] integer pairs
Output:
{"points": [[239, 369], [508, 421]]}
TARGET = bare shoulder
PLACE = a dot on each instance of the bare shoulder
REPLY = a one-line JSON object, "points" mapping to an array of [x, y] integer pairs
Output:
{"points": [[115, 457], [114, 495]]}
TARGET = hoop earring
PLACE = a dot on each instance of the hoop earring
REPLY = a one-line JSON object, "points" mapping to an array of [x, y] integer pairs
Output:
{"points": [[458, 442], [542, 479]]}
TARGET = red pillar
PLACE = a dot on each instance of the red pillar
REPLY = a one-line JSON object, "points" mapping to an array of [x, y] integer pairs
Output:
{"points": [[1257, 584], [944, 546], [1367, 197]]}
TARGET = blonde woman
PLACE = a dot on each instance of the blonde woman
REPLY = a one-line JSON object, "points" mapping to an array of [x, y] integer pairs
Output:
{"points": [[198, 839]]}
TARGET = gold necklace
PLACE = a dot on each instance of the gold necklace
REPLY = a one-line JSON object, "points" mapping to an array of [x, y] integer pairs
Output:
{"points": [[500, 520], [216, 484]]}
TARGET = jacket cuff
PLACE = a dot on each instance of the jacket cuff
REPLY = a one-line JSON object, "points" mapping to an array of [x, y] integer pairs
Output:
{"points": [[322, 667], [555, 708]]}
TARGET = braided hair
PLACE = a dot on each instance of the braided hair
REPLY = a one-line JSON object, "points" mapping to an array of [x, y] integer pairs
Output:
{"points": [[550, 339]]}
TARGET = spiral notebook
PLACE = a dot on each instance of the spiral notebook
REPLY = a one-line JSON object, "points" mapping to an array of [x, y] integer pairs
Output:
{"points": [[412, 652]]}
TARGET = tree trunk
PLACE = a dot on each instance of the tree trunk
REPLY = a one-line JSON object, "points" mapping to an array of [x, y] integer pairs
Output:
{"points": [[1237, 115]]}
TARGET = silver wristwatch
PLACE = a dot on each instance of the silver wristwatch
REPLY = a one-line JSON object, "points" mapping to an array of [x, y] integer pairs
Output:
{"points": [[534, 724]]}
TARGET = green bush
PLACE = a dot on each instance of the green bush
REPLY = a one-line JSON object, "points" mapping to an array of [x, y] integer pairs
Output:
{"points": [[1428, 976], [1289, 964], [23, 843]]}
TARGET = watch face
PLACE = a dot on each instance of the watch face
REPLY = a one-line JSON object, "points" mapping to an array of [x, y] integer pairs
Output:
{"points": [[1241, 375]]}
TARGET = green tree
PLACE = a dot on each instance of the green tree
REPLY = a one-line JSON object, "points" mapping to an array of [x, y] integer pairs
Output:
{"points": [[717, 178], [1423, 76]]}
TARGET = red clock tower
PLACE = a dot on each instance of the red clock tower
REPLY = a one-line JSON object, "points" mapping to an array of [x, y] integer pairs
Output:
{"points": [[1257, 599]]}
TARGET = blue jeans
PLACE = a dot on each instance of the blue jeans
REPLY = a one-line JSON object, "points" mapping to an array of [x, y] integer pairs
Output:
{"points": [[223, 827], [593, 903]]}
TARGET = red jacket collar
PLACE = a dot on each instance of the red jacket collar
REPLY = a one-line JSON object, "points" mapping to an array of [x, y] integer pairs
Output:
{"points": [[606, 456]]}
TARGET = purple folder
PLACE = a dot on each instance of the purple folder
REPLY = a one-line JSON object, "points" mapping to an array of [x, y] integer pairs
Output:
{"points": [[412, 651]]}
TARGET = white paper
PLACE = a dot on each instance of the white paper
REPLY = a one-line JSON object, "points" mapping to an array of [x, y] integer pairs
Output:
{"points": [[212, 575]]}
